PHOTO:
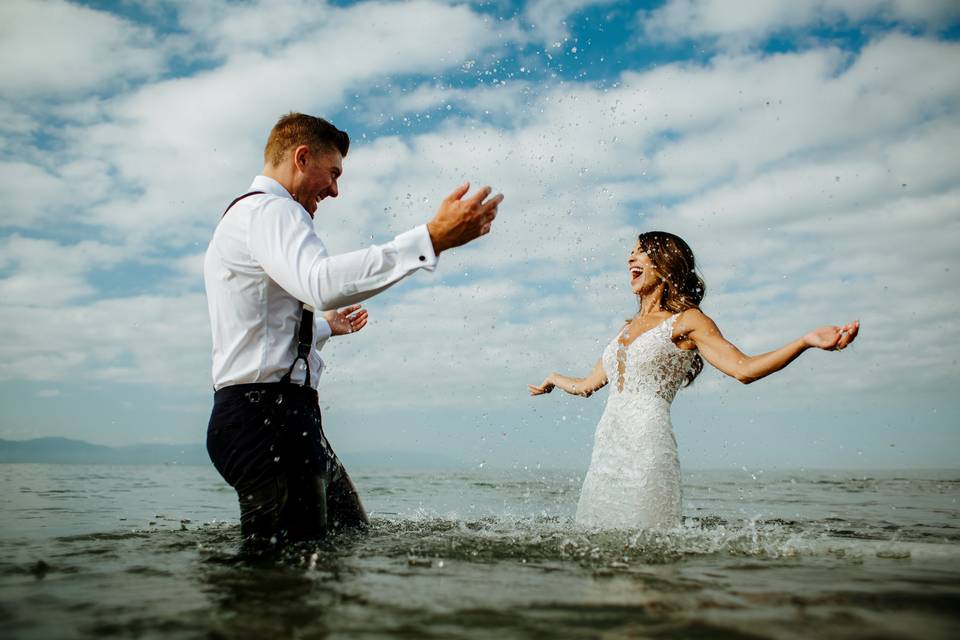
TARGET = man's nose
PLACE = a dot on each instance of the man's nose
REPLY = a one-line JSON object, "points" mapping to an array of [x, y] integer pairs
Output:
{"points": [[334, 191]]}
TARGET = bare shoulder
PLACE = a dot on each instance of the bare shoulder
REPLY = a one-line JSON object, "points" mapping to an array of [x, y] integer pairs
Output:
{"points": [[692, 323], [690, 320]]}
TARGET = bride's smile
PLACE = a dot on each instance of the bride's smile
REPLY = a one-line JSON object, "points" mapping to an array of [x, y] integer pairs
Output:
{"points": [[643, 275]]}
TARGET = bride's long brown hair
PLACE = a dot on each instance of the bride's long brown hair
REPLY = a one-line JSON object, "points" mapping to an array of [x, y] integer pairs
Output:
{"points": [[683, 287]]}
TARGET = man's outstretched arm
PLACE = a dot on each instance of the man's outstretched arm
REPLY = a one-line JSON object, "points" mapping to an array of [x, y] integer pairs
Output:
{"points": [[283, 241]]}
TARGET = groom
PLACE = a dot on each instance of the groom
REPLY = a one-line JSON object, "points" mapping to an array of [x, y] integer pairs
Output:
{"points": [[264, 268]]}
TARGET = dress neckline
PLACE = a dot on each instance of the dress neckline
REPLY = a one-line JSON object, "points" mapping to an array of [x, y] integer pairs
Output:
{"points": [[651, 329]]}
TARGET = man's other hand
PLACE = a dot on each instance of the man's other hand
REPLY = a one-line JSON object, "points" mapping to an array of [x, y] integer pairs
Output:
{"points": [[460, 220], [347, 320]]}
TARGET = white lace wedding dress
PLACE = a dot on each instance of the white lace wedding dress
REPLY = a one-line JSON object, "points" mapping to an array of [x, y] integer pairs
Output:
{"points": [[634, 476]]}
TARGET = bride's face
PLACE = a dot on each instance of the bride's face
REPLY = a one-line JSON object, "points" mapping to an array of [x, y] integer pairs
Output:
{"points": [[643, 275]]}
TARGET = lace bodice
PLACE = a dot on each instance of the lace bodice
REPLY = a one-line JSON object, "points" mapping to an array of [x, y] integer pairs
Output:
{"points": [[652, 364]]}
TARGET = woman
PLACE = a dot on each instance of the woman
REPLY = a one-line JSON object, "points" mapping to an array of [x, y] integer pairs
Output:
{"points": [[634, 476]]}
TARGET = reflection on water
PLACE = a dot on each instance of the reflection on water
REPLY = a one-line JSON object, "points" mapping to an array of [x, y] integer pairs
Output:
{"points": [[482, 556]]}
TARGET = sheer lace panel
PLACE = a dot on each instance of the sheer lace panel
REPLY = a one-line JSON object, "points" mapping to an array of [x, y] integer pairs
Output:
{"points": [[652, 363]]}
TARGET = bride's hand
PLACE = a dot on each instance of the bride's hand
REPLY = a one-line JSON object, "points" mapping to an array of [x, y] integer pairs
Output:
{"points": [[347, 320], [546, 387], [832, 338]]}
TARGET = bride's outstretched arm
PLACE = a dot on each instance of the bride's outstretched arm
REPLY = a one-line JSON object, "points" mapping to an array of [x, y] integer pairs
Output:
{"points": [[585, 387], [698, 328]]}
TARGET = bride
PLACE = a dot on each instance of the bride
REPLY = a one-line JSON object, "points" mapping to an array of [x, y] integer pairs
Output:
{"points": [[634, 477]]}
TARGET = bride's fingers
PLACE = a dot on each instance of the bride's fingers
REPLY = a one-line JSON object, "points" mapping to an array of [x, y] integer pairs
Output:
{"points": [[853, 331], [850, 332]]}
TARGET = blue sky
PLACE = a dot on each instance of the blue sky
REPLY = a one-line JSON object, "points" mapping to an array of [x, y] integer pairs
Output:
{"points": [[806, 150]]}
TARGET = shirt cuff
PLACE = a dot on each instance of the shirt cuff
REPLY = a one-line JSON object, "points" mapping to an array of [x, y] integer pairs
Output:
{"points": [[321, 330], [416, 249]]}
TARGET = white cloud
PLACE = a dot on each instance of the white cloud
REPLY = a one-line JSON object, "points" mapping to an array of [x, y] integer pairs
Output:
{"points": [[52, 47], [463, 346], [549, 18], [786, 246], [30, 194], [740, 155], [749, 22], [45, 273], [261, 26], [177, 145], [14, 123], [157, 340]]}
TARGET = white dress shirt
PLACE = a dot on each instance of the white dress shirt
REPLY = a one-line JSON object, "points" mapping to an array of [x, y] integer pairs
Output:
{"points": [[264, 259]]}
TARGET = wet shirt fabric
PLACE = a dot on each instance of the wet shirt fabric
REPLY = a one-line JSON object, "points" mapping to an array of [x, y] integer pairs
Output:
{"points": [[264, 259]]}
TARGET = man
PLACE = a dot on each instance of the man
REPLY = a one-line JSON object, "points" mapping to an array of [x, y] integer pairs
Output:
{"points": [[265, 263]]}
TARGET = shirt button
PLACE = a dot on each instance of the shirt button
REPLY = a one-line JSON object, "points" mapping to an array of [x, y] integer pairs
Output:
{"points": [[423, 258]]}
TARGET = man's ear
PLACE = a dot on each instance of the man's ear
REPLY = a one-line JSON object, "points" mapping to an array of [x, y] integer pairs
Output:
{"points": [[300, 156]]}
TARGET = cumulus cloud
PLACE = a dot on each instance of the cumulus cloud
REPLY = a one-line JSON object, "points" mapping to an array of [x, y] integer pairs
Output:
{"points": [[57, 48], [548, 18], [153, 340], [746, 23], [802, 214], [816, 185], [47, 273], [167, 140]]}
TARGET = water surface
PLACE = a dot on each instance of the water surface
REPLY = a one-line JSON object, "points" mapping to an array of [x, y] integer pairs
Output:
{"points": [[108, 551]]}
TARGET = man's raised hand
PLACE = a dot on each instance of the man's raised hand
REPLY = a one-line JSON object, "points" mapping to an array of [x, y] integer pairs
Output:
{"points": [[460, 220]]}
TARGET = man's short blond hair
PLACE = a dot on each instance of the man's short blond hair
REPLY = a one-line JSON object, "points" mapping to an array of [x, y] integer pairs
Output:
{"points": [[295, 129]]}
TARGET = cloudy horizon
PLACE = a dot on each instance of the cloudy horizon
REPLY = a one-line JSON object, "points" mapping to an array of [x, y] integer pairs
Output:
{"points": [[805, 150]]}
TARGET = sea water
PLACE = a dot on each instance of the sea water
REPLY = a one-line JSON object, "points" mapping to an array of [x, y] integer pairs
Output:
{"points": [[150, 552]]}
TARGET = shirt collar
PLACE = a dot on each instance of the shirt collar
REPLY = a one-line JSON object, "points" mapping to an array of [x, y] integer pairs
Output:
{"points": [[269, 185]]}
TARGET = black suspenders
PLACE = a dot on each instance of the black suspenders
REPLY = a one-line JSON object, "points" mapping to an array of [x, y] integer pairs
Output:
{"points": [[238, 199], [305, 333], [304, 345]]}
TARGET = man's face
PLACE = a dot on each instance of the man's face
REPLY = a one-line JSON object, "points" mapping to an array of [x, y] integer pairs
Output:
{"points": [[319, 173]]}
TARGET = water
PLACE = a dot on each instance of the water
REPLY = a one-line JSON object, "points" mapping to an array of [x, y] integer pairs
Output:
{"points": [[149, 552]]}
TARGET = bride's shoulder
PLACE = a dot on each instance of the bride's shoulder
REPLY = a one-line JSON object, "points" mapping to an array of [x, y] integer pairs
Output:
{"points": [[689, 320]]}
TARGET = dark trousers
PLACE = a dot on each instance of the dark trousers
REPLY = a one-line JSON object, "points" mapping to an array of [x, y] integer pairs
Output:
{"points": [[267, 442]]}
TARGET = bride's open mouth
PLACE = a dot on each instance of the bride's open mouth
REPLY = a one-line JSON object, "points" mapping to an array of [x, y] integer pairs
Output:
{"points": [[635, 272]]}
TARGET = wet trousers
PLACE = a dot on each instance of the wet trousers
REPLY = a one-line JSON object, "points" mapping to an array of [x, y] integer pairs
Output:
{"points": [[267, 442]]}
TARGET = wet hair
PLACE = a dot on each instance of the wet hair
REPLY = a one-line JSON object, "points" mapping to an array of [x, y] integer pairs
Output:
{"points": [[295, 129], [683, 287]]}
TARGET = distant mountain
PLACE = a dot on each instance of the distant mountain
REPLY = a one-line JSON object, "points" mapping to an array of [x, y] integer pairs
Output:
{"points": [[67, 451]]}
